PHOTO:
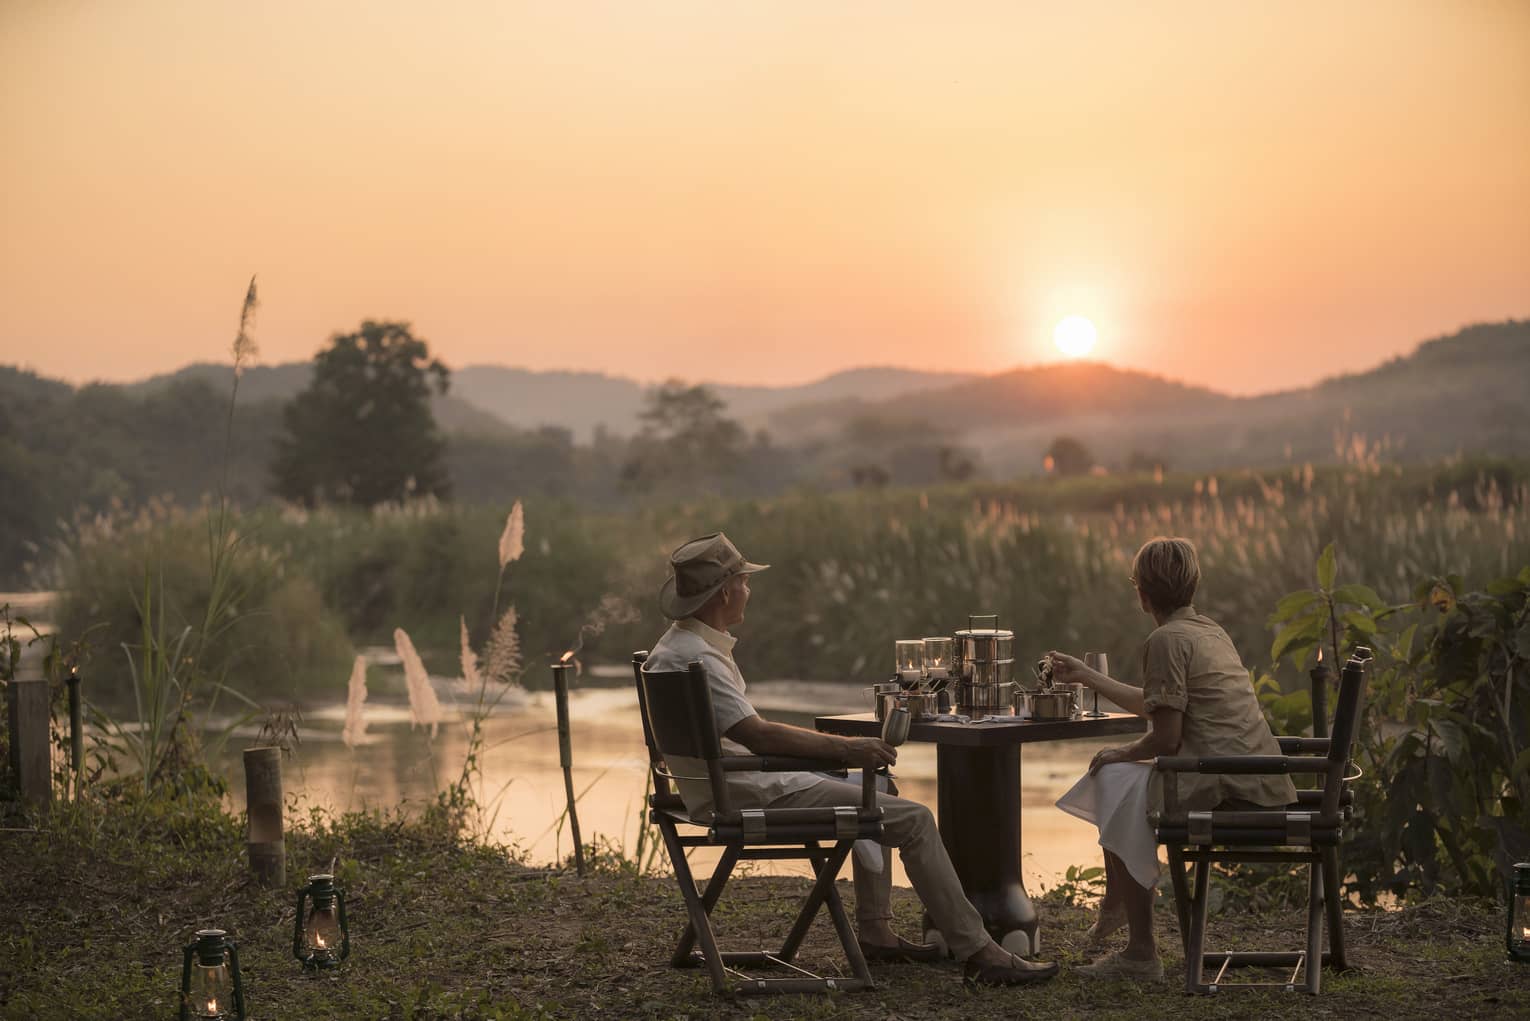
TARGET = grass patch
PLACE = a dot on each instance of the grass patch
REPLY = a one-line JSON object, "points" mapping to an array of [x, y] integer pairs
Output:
{"points": [[101, 897]]}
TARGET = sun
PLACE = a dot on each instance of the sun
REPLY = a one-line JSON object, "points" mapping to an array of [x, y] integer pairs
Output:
{"points": [[1074, 336]]}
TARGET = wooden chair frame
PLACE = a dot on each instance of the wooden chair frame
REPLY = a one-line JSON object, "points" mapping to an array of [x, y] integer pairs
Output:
{"points": [[1309, 832], [676, 708]]}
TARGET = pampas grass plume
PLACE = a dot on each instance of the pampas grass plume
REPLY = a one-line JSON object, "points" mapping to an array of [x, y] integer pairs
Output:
{"points": [[502, 660], [512, 541], [424, 708], [355, 696], [470, 672]]}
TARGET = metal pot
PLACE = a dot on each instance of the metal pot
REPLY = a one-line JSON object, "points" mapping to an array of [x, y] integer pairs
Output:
{"points": [[1024, 702], [984, 662], [1051, 705], [983, 699]]}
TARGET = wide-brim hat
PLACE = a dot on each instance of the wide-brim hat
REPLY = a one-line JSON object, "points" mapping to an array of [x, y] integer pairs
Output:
{"points": [[697, 571]]}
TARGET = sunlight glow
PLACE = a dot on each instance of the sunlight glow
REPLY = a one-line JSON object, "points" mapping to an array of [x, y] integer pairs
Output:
{"points": [[1074, 336]]}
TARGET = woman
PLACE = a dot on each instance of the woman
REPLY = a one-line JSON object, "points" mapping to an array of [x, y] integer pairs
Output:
{"points": [[1197, 695]]}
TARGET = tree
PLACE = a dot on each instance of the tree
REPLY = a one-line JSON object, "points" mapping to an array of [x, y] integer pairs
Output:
{"points": [[363, 432], [1067, 456], [685, 434]]}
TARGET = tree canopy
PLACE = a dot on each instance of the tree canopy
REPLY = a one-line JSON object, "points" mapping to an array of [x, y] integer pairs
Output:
{"points": [[363, 431]]}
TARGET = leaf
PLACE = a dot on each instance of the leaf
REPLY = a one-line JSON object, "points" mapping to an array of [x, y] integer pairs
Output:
{"points": [[1359, 622], [1361, 594], [1306, 630], [1293, 604], [1505, 586], [1327, 568]]}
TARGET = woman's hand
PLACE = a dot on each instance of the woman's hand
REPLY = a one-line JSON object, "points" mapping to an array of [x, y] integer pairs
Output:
{"points": [[1107, 756], [1067, 669]]}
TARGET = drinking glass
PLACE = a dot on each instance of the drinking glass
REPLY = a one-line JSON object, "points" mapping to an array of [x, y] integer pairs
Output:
{"points": [[1099, 663]]}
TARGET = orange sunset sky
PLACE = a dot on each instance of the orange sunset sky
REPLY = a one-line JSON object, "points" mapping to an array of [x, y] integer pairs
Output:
{"points": [[1246, 195]]}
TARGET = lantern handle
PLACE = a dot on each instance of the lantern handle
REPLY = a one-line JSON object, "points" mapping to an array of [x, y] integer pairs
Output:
{"points": [[233, 959], [186, 983], [297, 928], [345, 929]]}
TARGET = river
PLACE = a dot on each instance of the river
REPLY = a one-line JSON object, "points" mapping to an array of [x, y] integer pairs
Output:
{"points": [[522, 783]]}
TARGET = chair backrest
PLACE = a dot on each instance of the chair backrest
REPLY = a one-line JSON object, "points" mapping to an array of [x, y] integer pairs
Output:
{"points": [[1346, 724], [676, 706]]}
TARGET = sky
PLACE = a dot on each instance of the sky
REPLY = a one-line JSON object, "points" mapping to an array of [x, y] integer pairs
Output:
{"points": [[1248, 196]]}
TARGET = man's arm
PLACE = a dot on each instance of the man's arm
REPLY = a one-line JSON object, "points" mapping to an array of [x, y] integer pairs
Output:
{"points": [[763, 737]]}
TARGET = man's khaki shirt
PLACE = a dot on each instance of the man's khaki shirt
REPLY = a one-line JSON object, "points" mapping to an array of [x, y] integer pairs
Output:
{"points": [[1190, 664]]}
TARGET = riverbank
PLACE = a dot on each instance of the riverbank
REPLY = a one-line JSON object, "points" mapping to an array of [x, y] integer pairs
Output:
{"points": [[100, 899]]}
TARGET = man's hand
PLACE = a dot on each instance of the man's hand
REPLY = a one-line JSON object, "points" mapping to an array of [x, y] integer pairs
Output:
{"points": [[1106, 756], [871, 752]]}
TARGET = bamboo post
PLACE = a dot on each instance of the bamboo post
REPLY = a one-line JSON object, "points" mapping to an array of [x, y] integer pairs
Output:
{"points": [[1321, 678], [263, 798], [566, 757], [76, 729], [31, 757]]}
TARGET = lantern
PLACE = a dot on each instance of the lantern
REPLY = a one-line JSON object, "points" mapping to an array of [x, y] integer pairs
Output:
{"points": [[210, 983], [1519, 913], [321, 939]]}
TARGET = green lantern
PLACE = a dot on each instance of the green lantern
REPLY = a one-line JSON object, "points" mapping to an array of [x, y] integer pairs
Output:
{"points": [[1519, 913], [210, 982], [321, 938]]}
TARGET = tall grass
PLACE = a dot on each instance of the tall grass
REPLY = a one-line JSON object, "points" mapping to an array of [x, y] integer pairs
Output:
{"points": [[853, 571]]}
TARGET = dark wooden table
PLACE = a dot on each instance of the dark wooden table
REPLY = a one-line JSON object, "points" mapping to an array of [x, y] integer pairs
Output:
{"points": [[977, 782]]}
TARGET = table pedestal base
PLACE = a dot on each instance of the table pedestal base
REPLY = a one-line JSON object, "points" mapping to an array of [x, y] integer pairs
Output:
{"points": [[979, 817]]}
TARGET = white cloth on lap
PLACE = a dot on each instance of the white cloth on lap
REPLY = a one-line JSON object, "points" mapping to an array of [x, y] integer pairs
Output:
{"points": [[1116, 800]]}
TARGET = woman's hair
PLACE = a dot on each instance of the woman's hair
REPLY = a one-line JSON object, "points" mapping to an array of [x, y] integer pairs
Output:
{"points": [[1168, 572]]}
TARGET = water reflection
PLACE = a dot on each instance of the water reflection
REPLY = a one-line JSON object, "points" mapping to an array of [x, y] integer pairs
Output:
{"points": [[522, 783]]}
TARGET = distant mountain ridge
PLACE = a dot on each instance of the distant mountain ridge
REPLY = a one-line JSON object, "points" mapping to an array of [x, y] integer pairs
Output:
{"points": [[1463, 392], [484, 398]]}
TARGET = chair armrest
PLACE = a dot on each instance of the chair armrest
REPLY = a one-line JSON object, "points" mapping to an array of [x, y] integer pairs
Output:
{"points": [[1303, 745], [776, 764], [1230, 764], [783, 764]]}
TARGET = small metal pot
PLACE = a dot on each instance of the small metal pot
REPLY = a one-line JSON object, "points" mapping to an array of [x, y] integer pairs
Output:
{"points": [[1052, 705], [878, 692]]}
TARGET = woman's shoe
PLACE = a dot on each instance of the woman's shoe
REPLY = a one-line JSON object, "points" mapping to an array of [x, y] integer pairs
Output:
{"points": [[1115, 966], [1017, 972], [1105, 926], [905, 952]]}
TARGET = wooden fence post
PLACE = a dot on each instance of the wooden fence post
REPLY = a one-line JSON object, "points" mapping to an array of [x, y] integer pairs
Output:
{"points": [[31, 755], [263, 802]]}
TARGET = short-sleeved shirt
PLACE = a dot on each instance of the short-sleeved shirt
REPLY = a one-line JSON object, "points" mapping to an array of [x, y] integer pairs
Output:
{"points": [[1190, 664], [689, 641]]}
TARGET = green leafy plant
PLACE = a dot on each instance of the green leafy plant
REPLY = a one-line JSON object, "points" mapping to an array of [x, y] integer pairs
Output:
{"points": [[1444, 746]]}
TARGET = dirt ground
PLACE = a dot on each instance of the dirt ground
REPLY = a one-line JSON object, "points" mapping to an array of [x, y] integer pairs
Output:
{"points": [[96, 918]]}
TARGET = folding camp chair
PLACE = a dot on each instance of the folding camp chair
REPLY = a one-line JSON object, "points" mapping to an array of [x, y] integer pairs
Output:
{"points": [[677, 716], [1308, 831]]}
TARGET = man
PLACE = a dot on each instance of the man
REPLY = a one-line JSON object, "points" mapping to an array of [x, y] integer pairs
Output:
{"points": [[705, 596]]}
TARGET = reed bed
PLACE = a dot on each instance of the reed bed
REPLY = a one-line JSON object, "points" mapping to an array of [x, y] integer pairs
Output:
{"points": [[851, 571]]}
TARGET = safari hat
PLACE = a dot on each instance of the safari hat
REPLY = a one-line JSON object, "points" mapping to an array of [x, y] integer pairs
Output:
{"points": [[697, 570]]}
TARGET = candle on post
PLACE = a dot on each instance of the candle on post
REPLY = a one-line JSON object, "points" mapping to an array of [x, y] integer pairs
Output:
{"points": [[76, 727], [1321, 678], [566, 751]]}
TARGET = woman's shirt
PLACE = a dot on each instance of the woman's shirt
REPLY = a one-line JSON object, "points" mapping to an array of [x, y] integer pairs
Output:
{"points": [[1190, 664]]}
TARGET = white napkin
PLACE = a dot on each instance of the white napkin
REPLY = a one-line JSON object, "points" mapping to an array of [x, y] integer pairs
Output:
{"points": [[1116, 800]]}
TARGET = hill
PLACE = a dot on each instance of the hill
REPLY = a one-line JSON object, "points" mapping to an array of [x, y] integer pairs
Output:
{"points": [[1458, 394]]}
